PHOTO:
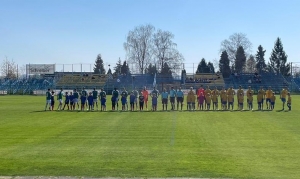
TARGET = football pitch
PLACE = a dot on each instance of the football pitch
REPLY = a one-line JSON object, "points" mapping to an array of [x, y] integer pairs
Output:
{"points": [[205, 144]]}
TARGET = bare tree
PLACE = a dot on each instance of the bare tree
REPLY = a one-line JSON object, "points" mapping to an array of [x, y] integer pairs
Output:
{"points": [[233, 43], [21, 71], [216, 64], [296, 70], [165, 52], [9, 69], [138, 47], [250, 64]]}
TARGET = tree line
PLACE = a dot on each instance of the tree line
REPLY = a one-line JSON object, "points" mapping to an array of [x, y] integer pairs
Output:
{"points": [[234, 53], [122, 68], [150, 51]]}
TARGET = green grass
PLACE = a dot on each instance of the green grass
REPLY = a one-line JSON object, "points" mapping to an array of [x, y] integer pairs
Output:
{"points": [[147, 144]]}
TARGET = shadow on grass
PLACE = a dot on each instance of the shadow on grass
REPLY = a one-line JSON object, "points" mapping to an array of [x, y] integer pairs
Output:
{"points": [[147, 111], [57, 111], [257, 110]]}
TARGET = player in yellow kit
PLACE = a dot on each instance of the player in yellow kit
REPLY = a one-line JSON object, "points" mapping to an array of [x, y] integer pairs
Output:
{"points": [[238, 94], [248, 94], [250, 101], [273, 99], [230, 97], [241, 101], [214, 97], [289, 102], [208, 101], [223, 95], [283, 95], [269, 94], [205, 94], [260, 98], [190, 99], [193, 102]]}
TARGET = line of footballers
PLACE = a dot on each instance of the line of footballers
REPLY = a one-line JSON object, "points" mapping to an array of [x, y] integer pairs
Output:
{"points": [[207, 99], [76, 100]]}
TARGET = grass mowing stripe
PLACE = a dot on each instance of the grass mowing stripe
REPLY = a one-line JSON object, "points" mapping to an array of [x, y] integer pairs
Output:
{"points": [[139, 144], [174, 119]]}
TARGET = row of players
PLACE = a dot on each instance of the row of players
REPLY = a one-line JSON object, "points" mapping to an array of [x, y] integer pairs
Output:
{"points": [[205, 97], [208, 96]]}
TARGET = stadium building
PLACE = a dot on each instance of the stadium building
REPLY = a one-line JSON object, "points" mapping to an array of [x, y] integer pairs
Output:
{"points": [[40, 77]]}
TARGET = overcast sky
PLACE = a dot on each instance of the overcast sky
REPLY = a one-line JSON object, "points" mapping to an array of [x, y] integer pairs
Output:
{"points": [[75, 31]]}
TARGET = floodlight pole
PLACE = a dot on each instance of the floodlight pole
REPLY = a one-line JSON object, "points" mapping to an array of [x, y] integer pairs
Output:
{"points": [[291, 75], [193, 72]]}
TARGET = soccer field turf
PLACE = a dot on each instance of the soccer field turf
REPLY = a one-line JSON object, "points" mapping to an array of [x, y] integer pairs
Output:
{"points": [[258, 144]]}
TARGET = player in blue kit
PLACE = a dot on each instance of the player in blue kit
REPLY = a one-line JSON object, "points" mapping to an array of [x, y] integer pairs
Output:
{"points": [[103, 103], [84, 94], [124, 102], [67, 101], [52, 101], [75, 99], [154, 102], [132, 100], [83, 101], [125, 94], [114, 99], [71, 97], [102, 97], [141, 101], [90, 101], [113, 103]]}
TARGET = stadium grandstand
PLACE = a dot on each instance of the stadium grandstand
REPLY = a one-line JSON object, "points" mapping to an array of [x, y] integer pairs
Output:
{"points": [[255, 80], [71, 80], [42, 77]]}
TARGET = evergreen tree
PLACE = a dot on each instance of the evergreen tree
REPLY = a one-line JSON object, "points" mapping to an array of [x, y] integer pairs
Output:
{"points": [[278, 59], [109, 74], [109, 71], [260, 59], [224, 65], [250, 65], [269, 68], [202, 67], [211, 67], [151, 69], [117, 68], [166, 70], [125, 68], [99, 66], [240, 60]]}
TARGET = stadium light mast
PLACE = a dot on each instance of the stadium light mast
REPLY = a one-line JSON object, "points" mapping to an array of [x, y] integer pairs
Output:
{"points": [[193, 72]]}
